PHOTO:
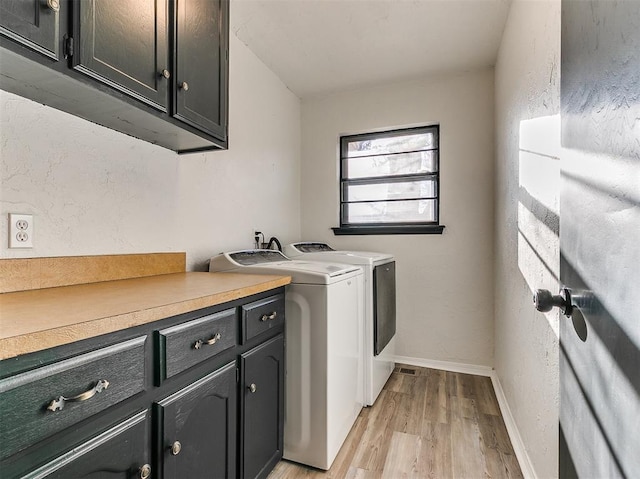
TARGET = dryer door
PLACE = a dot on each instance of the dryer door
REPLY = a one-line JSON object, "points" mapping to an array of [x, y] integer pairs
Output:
{"points": [[384, 307]]}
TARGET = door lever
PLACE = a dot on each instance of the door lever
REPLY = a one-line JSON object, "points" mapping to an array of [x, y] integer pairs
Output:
{"points": [[545, 301]]}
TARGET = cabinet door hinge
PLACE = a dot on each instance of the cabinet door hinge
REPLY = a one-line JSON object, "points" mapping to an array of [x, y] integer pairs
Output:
{"points": [[68, 46]]}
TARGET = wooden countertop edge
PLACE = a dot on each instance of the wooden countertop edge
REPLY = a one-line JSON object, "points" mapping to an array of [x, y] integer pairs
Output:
{"points": [[36, 341]]}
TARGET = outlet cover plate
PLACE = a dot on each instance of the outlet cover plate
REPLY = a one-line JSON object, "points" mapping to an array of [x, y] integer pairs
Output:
{"points": [[20, 231]]}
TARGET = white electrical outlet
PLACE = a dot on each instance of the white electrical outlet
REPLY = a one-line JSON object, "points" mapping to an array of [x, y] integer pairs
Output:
{"points": [[20, 231]]}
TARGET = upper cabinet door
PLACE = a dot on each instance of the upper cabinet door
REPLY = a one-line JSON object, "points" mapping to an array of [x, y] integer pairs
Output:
{"points": [[125, 45], [201, 42], [34, 23]]}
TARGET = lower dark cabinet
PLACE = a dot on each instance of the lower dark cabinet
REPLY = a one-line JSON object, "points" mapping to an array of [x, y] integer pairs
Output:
{"points": [[199, 427], [218, 417], [262, 405], [122, 452]]}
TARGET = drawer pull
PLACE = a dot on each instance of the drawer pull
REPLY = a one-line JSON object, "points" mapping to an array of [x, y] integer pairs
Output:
{"points": [[252, 387], [270, 317], [145, 471], [202, 342], [58, 404]]}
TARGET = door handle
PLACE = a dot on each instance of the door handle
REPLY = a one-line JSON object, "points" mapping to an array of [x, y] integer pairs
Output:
{"points": [[545, 301]]}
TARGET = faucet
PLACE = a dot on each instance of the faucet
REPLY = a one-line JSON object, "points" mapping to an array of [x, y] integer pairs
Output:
{"points": [[272, 240]]}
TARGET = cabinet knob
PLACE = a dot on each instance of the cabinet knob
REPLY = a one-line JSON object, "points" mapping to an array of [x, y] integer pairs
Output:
{"points": [[176, 447], [54, 5], [184, 86], [253, 388], [145, 471], [165, 73]]}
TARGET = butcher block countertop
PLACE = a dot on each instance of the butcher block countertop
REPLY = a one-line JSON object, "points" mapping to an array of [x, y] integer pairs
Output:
{"points": [[38, 319]]}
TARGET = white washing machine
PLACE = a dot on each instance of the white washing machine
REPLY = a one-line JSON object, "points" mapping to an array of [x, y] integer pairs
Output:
{"points": [[379, 307], [324, 367]]}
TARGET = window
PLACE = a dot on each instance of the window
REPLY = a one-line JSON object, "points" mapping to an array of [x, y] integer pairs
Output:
{"points": [[390, 182]]}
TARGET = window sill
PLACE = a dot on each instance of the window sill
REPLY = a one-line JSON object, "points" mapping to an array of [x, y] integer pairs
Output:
{"points": [[389, 230]]}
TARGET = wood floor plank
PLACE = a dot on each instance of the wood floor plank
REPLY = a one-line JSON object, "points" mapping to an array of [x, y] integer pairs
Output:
{"points": [[496, 447], [485, 395], [436, 400], [342, 463], [466, 454], [372, 453], [435, 457], [403, 457], [426, 423]]}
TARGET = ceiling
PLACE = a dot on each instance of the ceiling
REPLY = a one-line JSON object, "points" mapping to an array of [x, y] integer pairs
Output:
{"points": [[320, 46]]}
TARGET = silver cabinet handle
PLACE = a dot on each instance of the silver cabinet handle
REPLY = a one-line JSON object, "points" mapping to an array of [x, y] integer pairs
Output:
{"points": [[203, 342], [269, 317], [58, 403], [145, 471], [252, 387], [176, 447], [165, 73], [184, 85], [54, 5]]}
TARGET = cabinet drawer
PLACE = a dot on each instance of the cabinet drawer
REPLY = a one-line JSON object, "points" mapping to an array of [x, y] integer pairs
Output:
{"points": [[41, 402], [187, 344], [122, 451], [259, 316]]}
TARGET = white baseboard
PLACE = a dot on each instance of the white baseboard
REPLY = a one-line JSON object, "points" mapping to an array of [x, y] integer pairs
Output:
{"points": [[514, 434], [512, 429], [446, 365]]}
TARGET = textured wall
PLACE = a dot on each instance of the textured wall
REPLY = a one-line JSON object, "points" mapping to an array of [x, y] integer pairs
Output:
{"points": [[526, 243], [599, 368], [444, 282], [95, 191]]}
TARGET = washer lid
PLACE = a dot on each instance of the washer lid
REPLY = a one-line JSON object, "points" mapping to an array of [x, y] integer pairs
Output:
{"points": [[297, 250], [274, 262]]}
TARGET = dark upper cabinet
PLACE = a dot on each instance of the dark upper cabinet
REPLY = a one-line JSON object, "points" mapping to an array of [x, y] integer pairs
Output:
{"points": [[34, 23], [154, 69], [125, 45], [201, 36], [262, 408], [199, 427]]}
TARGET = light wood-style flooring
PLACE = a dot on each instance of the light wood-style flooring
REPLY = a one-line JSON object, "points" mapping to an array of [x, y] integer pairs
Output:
{"points": [[426, 423]]}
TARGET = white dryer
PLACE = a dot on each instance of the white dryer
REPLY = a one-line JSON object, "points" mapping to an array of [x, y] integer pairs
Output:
{"points": [[324, 367], [380, 307]]}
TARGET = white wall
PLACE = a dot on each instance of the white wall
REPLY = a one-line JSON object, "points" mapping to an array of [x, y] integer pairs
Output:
{"points": [[444, 282], [95, 191], [526, 240]]}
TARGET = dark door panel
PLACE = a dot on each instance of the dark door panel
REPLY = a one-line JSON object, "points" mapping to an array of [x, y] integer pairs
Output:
{"points": [[201, 64], [384, 305], [33, 23], [262, 404], [198, 426], [125, 45]]}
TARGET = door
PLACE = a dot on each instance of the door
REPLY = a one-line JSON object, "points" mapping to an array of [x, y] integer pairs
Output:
{"points": [[600, 239], [198, 427], [125, 45], [262, 404], [34, 23], [201, 38]]}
